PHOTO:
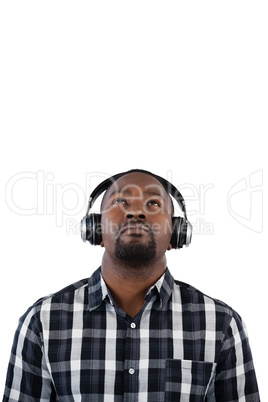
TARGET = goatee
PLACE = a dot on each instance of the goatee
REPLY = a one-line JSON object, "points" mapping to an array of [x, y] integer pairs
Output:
{"points": [[135, 253]]}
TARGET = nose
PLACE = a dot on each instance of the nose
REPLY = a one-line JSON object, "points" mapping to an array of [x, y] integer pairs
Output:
{"points": [[135, 212], [135, 216]]}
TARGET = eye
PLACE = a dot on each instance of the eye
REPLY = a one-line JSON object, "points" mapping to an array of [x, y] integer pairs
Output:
{"points": [[153, 203], [119, 201]]}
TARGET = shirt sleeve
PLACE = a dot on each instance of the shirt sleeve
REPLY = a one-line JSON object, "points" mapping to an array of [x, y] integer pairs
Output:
{"points": [[235, 374], [28, 378]]}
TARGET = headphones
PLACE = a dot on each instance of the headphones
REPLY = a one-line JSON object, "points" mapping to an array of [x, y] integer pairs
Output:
{"points": [[91, 223]]}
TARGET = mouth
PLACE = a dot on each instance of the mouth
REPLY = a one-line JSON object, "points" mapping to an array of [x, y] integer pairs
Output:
{"points": [[134, 229]]}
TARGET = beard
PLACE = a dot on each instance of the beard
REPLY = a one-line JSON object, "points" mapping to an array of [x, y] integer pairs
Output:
{"points": [[135, 253]]}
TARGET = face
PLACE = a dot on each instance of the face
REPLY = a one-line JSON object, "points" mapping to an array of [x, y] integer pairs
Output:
{"points": [[136, 219]]}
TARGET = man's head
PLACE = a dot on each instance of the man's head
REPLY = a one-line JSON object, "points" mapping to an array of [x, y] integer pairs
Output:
{"points": [[136, 219], [91, 227]]}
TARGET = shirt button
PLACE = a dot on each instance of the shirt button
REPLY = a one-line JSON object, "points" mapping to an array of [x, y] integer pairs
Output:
{"points": [[131, 371], [133, 325]]}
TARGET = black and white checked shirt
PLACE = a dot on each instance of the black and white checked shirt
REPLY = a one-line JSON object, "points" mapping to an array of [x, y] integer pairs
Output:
{"points": [[77, 346]]}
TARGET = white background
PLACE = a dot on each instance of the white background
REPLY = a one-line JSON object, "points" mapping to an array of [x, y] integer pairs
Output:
{"points": [[90, 89]]}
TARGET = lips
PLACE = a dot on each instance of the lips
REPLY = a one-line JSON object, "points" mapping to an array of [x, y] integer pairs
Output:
{"points": [[134, 228]]}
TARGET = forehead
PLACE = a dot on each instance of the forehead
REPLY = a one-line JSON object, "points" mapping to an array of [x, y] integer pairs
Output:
{"points": [[137, 181]]}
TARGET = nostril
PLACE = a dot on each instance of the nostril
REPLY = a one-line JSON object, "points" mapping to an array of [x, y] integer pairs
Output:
{"points": [[140, 216]]}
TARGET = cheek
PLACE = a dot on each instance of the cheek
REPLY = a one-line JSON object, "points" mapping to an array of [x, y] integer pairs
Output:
{"points": [[163, 228], [109, 226]]}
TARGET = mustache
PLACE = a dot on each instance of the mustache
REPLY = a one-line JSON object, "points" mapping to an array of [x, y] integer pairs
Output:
{"points": [[134, 222]]}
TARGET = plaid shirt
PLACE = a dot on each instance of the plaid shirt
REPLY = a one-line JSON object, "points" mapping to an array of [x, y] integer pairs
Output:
{"points": [[77, 346]]}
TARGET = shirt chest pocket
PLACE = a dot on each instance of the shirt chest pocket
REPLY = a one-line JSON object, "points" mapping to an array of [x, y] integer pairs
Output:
{"points": [[187, 380]]}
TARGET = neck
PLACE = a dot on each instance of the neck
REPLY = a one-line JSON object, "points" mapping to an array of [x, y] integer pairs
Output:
{"points": [[129, 284]]}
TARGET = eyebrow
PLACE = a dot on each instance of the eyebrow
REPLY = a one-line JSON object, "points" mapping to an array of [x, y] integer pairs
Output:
{"points": [[145, 193], [150, 193], [129, 192]]}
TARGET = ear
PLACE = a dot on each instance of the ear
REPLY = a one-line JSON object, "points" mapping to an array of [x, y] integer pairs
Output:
{"points": [[169, 247], [101, 244]]}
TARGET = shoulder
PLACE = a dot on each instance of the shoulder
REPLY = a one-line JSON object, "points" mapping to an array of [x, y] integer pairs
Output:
{"points": [[63, 294], [195, 295], [193, 299], [60, 300]]}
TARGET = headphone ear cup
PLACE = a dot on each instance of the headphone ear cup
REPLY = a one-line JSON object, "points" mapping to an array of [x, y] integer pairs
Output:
{"points": [[181, 232], [83, 227], [93, 229], [176, 229]]}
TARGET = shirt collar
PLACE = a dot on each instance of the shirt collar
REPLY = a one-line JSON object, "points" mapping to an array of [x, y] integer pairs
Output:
{"points": [[98, 291], [163, 287]]}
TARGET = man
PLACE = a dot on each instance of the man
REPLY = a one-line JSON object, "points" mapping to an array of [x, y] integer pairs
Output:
{"points": [[131, 332]]}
